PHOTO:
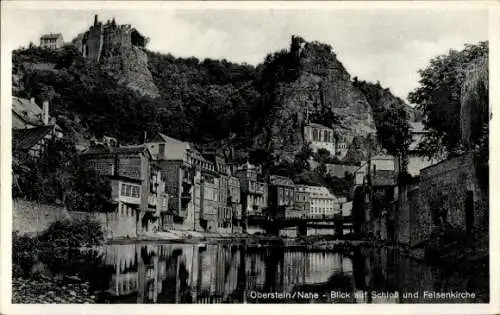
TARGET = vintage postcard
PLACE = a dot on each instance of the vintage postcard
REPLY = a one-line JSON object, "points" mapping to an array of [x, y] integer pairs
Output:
{"points": [[259, 153]]}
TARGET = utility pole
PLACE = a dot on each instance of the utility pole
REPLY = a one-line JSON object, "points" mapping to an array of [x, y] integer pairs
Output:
{"points": [[369, 177]]}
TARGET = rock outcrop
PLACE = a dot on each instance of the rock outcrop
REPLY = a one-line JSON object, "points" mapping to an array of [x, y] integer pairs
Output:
{"points": [[322, 84], [129, 65], [119, 49]]}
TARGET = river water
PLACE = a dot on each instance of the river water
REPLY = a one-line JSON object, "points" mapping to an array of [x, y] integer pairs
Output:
{"points": [[225, 273]]}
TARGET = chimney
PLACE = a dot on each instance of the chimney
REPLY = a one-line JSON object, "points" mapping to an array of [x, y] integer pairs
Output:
{"points": [[95, 20], [45, 113]]}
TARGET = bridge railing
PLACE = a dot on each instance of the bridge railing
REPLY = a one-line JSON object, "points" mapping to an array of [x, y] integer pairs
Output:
{"points": [[314, 217]]}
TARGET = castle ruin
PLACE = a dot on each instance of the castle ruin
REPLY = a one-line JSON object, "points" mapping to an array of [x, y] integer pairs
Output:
{"points": [[104, 38], [120, 50]]}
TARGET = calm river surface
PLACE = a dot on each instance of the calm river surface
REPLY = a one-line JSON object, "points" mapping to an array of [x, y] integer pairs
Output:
{"points": [[224, 273]]}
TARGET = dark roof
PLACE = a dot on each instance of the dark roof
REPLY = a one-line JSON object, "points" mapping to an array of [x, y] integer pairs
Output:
{"points": [[316, 125], [166, 138], [384, 178], [25, 139], [104, 149], [131, 149]]}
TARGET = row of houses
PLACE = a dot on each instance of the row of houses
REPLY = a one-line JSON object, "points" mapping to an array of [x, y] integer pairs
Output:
{"points": [[186, 189], [166, 183]]}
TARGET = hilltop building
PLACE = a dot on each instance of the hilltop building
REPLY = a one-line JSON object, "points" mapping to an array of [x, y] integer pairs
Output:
{"points": [[120, 51], [104, 37], [51, 41], [322, 137]]}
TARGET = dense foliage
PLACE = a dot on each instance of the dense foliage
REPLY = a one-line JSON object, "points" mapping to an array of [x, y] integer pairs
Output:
{"points": [[201, 101], [391, 116], [439, 97], [204, 101], [73, 234], [475, 116], [208, 102], [58, 177], [55, 247]]}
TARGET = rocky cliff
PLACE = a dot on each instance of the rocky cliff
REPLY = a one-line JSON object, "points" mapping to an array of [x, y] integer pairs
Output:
{"points": [[129, 65], [322, 85], [119, 49]]}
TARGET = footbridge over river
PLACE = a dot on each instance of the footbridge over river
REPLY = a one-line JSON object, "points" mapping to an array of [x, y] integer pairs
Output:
{"points": [[273, 225]]}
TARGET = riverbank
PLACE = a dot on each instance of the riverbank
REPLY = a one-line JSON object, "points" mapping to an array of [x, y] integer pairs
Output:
{"points": [[191, 237], [49, 291], [314, 243]]}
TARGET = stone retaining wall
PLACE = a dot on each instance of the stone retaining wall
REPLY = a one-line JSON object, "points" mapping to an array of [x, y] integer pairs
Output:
{"points": [[30, 217], [444, 185]]}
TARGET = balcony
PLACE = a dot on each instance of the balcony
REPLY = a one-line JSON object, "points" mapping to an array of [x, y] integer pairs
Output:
{"points": [[258, 189], [186, 194], [236, 212]]}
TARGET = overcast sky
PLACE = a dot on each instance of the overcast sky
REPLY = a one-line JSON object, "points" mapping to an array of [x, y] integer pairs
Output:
{"points": [[385, 45]]}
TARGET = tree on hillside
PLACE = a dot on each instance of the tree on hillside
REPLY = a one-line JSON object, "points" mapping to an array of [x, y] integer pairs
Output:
{"points": [[321, 169], [322, 156], [340, 187], [301, 161], [356, 151], [439, 97]]}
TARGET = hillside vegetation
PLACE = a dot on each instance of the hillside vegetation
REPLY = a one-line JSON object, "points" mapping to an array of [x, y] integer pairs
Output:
{"points": [[219, 104]]}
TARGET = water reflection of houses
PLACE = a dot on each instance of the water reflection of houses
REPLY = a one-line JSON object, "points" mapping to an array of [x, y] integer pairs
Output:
{"points": [[184, 273], [194, 273]]}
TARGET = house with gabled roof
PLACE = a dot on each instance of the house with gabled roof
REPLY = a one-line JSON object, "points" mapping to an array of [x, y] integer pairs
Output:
{"points": [[32, 127], [136, 182], [192, 181]]}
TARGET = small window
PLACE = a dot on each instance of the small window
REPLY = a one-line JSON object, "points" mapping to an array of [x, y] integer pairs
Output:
{"points": [[161, 149]]}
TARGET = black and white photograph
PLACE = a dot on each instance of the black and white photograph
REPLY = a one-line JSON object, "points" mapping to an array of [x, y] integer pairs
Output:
{"points": [[161, 154]]}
